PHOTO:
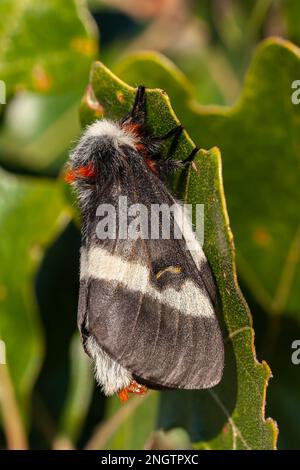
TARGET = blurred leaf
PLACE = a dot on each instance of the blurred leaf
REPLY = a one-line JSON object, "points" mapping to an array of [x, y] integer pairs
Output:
{"points": [[274, 336], [157, 71], [32, 214], [260, 142], [79, 395], [238, 402], [40, 41], [37, 131], [291, 12], [175, 439], [127, 426], [233, 411], [260, 139], [284, 389]]}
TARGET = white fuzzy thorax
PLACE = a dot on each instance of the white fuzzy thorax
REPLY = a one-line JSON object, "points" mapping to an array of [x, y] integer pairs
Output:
{"points": [[110, 375], [107, 128]]}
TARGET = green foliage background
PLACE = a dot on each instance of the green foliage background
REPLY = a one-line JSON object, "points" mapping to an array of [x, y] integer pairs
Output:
{"points": [[228, 73]]}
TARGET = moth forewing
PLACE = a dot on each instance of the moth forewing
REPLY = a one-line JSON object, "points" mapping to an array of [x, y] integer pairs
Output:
{"points": [[146, 304]]}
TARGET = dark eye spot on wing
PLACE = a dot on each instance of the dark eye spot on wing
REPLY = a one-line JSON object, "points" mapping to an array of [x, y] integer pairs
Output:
{"points": [[169, 269], [169, 276]]}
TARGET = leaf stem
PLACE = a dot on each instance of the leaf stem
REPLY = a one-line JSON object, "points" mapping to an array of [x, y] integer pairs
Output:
{"points": [[12, 422], [104, 431]]}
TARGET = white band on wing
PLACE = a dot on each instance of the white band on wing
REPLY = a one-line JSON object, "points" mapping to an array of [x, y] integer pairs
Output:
{"points": [[98, 263]]}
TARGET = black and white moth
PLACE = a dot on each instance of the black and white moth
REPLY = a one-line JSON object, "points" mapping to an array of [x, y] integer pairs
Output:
{"points": [[146, 306]]}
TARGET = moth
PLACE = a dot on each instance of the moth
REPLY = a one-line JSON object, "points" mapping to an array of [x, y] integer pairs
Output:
{"points": [[146, 309]]}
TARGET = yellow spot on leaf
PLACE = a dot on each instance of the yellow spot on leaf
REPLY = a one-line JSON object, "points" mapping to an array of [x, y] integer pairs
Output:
{"points": [[226, 428], [42, 81], [85, 46], [120, 96], [36, 252], [261, 237]]}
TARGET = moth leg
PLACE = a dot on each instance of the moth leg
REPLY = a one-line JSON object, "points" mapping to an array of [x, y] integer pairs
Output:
{"points": [[138, 113], [174, 132], [191, 157], [137, 116], [156, 141], [168, 166], [133, 387], [123, 395]]}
